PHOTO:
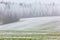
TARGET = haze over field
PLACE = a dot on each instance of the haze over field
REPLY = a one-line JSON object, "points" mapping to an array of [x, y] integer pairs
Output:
{"points": [[33, 19], [17, 9]]}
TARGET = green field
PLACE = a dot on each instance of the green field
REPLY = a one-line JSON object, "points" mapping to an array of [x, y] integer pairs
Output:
{"points": [[28, 35]]}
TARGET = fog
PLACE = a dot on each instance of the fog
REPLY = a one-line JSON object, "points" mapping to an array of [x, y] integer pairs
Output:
{"points": [[35, 8], [17, 9]]}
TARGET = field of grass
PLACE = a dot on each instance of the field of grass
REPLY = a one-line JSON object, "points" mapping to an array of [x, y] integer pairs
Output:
{"points": [[32, 29], [28, 35], [15, 39]]}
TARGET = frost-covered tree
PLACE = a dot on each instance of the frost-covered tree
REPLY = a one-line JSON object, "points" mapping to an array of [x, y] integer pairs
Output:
{"points": [[7, 15]]}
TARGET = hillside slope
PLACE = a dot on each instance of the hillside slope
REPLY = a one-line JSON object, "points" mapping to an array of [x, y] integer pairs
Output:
{"points": [[34, 24]]}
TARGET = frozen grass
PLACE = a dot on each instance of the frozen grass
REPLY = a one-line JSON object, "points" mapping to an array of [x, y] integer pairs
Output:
{"points": [[15, 39], [28, 35]]}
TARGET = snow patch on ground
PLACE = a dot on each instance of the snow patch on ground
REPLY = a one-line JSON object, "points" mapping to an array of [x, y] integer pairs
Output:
{"points": [[38, 23]]}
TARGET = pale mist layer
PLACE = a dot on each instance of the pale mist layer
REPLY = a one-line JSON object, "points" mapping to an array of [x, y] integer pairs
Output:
{"points": [[11, 11]]}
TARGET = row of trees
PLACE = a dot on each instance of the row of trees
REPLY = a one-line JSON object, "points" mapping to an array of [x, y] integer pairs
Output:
{"points": [[7, 14], [12, 12]]}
